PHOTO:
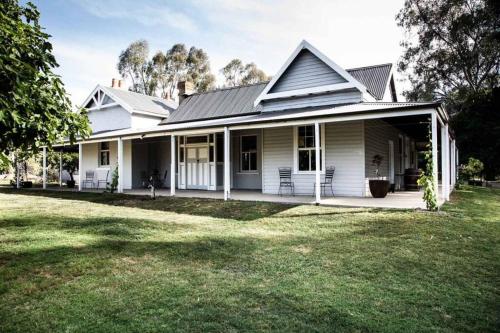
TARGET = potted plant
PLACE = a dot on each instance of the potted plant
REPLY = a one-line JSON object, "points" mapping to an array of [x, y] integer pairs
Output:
{"points": [[378, 187], [70, 164]]}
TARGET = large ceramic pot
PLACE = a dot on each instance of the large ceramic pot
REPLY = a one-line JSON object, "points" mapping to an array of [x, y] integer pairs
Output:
{"points": [[70, 183], [379, 187]]}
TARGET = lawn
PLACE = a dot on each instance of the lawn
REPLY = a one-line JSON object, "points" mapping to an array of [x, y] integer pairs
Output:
{"points": [[80, 262]]}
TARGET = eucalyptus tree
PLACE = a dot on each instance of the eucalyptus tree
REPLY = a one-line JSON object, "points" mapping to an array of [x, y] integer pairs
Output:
{"points": [[236, 73]]}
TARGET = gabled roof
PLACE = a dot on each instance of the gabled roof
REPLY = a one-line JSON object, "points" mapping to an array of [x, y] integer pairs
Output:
{"points": [[351, 82], [135, 102], [375, 78], [237, 101], [217, 103]]}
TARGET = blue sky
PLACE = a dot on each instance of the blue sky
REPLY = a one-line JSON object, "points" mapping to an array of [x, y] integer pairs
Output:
{"points": [[88, 35]]}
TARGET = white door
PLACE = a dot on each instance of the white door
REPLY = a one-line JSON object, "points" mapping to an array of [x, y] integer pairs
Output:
{"points": [[197, 168], [391, 161]]}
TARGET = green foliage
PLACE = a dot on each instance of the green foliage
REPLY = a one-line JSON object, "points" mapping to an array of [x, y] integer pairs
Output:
{"points": [[477, 126], [133, 63], [69, 162], [34, 107], [452, 57], [426, 181], [473, 168], [114, 180], [235, 73]]}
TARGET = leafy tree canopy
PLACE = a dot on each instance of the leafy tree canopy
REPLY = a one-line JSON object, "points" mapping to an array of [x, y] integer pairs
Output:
{"points": [[452, 48], [161, 74], [236, 73], [34, 108]]}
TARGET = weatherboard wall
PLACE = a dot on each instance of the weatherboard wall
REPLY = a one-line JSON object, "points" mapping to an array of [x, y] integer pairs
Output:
{"points": [[344, 151]]}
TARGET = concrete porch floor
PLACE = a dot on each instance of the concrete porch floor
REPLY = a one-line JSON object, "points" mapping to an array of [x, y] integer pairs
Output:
{"points": [[398, 200]]}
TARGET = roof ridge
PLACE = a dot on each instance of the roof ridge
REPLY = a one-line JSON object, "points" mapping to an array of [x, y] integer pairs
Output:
{"points": [[371, 66]]}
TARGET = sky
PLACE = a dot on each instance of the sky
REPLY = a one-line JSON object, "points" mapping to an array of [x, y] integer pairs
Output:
{"points": [[88, 35]]}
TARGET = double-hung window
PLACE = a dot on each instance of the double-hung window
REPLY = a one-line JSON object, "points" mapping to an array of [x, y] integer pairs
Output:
{"points": [[306, 149], [248, 153], [104, 154]]}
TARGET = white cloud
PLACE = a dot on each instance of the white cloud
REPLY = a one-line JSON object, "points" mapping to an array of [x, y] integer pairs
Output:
{"points": [[146, 14], [83, 66]]}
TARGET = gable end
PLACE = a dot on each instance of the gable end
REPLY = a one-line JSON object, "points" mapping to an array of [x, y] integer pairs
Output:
{"points": [[306, 71]]}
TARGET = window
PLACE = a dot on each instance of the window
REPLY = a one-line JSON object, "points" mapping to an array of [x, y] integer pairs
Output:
{"points": [[248, 153], [104, 154], [306, 150]]}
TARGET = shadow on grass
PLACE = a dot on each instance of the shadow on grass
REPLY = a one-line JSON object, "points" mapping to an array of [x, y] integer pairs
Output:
{"points": [[236, 210]]}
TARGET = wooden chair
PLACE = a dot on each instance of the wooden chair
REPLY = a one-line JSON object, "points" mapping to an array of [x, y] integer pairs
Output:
{"points": [[286, 180], [328, 183], [103, 181], [89, 179]]}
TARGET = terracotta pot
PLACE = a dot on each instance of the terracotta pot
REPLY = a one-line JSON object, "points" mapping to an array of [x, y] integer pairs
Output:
{"points": [[379, 187]]}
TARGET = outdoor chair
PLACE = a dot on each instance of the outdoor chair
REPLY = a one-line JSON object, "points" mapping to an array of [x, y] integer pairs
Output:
{"points": [[89, 179], [103, 181], [328, 183], [286, 180]]}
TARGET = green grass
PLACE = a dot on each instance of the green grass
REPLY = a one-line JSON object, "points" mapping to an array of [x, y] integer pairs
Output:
{"points": [[81, 262]]}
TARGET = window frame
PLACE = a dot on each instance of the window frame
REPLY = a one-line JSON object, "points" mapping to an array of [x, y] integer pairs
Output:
{"points": [[108, 151], [256, 151], [296, 150]]}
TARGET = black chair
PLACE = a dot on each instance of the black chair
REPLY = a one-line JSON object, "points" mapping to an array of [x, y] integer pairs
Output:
{"points": [[328, 183], [103, 181], [286, 180]]}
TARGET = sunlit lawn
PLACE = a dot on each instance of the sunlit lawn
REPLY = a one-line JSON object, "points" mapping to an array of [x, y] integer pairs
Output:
{"points": [[81, 262]]}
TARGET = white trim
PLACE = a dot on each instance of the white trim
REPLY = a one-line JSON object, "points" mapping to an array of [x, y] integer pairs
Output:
{"points": [[44, 167], [434, 150], [80, 166], [172, 165], [317, 147], [121, 175], [363, 157], [250, 171], [296, 170], [312, 90], [306, 45], [227, 175]]}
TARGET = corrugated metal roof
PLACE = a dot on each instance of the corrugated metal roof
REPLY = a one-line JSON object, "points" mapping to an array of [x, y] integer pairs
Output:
{"points": [[217, 103], [375, 78], [239, 100], [143, 103]]}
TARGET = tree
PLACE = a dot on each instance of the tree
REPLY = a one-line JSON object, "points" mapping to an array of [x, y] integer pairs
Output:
{"points": [[133, 63], [233, 72], [198, 70], [453, 49], [34, 108], [253, 74], [237, 74], [453, 53]]}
